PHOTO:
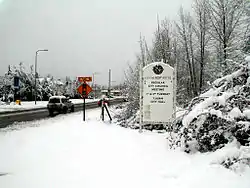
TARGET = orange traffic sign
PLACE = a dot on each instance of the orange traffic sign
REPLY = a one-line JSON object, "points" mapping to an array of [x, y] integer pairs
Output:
{"points": [[84, 89], [85, 79]]}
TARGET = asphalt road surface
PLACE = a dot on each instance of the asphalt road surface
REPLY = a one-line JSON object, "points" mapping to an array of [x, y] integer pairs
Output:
{"points": [[7, 119]]}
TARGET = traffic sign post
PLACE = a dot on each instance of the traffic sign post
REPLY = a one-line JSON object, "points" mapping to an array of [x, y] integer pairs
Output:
{"points": [[84, 89], [84, 94], [83, 109], [16, 87], [85, 79]]}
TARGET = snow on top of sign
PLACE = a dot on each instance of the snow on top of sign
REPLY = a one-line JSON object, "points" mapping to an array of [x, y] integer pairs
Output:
{"points": [[157, 63]]}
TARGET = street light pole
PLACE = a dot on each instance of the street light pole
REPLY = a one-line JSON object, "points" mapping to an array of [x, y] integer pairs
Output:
{"points": [[94, 85], [44, 50], [109, 84], [35, 74]]}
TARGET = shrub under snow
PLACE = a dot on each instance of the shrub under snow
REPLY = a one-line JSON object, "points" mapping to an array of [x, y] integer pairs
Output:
{"points": [[218, 116]]}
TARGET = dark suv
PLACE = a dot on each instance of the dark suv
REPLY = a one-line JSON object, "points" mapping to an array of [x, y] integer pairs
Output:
{"points": [[59, 104]]}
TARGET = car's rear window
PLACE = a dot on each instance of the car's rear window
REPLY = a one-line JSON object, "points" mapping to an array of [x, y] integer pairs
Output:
{"points": [[54, 100]]}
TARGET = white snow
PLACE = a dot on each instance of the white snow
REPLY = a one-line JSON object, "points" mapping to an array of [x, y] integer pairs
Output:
{"points": [[198, 110], [58, 82], [211, 92], [235, 113], [232, 151], [246, 113], [218, 113], [180, 112], [203, 107], [229, 77], [247, 59], [248, 79], [223, 98], [65, 152], [24, 105]]}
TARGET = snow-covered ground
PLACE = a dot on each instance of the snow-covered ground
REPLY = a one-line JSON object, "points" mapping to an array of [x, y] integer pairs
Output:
{"points": [[31, 105], [66, 152]]}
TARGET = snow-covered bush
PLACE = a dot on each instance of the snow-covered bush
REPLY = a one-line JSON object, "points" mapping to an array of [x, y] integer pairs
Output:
{"points": [[127, 117], [233, 156], [218, 116], [46, 86]]}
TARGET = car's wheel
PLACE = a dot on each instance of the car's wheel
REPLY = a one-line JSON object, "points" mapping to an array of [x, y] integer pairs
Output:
{"points": [[72, 109], [51, 112], [65, 109]]}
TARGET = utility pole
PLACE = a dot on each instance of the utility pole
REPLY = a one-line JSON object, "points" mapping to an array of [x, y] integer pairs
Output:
{"points": [[109, 85], [142, 64], [43, 50], [5, 88], [94, 83]]}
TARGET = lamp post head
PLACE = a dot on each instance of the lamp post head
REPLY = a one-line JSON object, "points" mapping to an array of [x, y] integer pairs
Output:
{"points": [[95, 73], [42, 50]]}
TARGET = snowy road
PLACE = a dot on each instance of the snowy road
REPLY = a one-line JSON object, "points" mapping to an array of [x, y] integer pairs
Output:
{"points": [[65, 152], [29, 114]]}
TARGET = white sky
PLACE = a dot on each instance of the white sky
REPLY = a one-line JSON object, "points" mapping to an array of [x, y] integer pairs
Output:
{"points": [[82, 36]]}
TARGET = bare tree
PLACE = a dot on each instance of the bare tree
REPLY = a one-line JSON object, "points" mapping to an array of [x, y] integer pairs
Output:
{"points": [[247, 33], [201, 30], [142, 47], [227, 24], [186, 31], [162, 46], [149, 57]]}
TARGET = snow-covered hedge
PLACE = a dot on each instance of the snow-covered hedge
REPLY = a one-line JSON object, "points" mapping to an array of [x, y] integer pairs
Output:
{"points": [[233, 156], [46, 86], [218, 116]]}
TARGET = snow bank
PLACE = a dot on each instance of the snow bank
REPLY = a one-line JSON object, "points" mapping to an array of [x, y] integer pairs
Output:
{"points": [[218, 116], [233, 156], [31, 105], [203, 107], [66, 152], [246, 113], [220, 95], [235, 113], [24, 105], [228, 78], [247, 59]]}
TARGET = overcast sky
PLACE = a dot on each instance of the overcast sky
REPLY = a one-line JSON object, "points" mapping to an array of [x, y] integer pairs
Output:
{"points": [[82, 36]]}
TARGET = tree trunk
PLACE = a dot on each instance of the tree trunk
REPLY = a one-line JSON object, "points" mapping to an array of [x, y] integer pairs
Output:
{"points": [[224, 35], [202, 46], [193, 66]]}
